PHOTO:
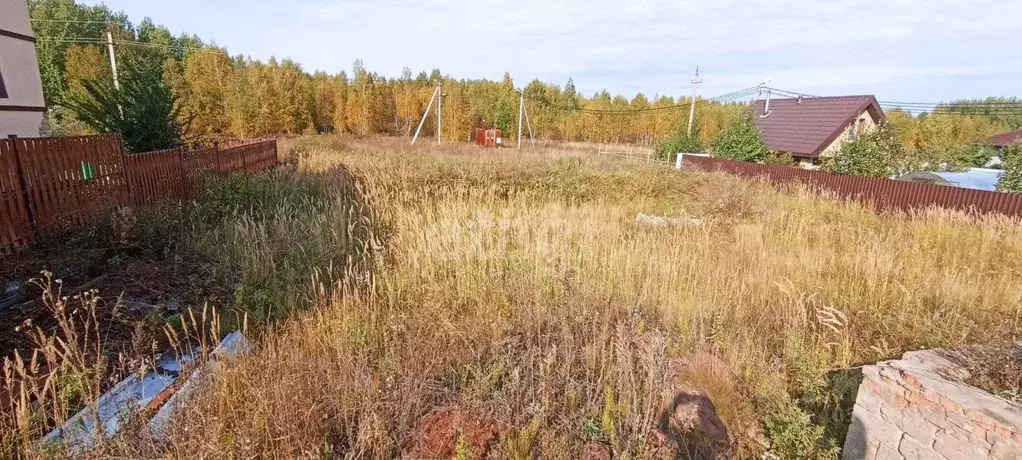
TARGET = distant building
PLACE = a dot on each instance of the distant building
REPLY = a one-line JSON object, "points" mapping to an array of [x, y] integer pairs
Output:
{"points": [[21, 90], [973, 178], [1001, 141], [812, 128]]}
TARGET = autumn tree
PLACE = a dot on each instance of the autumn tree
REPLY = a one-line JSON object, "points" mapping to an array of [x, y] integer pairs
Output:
{"points": [[207, 74]]}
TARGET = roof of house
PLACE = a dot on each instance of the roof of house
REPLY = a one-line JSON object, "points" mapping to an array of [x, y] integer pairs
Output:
{"points": [[806, 126], [1005, 139]]}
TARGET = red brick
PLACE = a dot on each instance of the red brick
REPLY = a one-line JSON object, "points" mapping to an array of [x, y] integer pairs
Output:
{"points": [[902, 402], [950, 405], [912, 382]]}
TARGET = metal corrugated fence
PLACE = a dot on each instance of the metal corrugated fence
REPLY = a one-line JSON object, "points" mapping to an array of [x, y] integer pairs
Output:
{"points": [[48, 183], [884, 194]]}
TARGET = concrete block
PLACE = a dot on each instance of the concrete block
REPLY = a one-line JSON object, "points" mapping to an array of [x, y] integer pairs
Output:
{"points": [[1005, 451], [958, 449], [912, 449], [919, 428], [888, 453], [877, 428]]}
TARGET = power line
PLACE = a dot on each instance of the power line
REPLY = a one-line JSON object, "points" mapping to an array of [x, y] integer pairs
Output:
{"points": [[72, 21], [612, 112], [97, 41]]}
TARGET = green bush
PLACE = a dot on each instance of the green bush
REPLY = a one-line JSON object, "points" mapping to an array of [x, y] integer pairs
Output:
{"points": [[741, 141], [1011, 180], [873, 154]]}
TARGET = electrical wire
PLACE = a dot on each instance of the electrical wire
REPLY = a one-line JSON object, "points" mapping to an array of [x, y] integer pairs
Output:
{"points": [[718, 99], [98, 41]]}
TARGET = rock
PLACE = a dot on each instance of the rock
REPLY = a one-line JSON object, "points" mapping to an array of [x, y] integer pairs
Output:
{"points": [[692, 425], [663, 221]]}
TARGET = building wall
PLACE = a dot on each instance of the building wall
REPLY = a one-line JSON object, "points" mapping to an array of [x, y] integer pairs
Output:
{"points": [[835, 146], [20, 69], [909, 410]]}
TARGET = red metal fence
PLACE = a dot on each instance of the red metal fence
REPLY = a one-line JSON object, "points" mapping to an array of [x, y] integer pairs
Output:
{"points": [[885, 194], [50, 183]]}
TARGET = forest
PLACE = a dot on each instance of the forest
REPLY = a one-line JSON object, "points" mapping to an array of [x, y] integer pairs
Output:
{"points": [[216, 94]]}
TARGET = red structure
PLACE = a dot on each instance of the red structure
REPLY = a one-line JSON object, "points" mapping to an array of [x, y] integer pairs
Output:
{"points": [[489, 137]]}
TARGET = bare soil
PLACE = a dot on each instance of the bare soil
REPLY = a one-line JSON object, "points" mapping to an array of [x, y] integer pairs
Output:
{"points": [[137, 296]]}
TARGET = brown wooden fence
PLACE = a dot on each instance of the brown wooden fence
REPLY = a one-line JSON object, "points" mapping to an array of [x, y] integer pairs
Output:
{"points": [[884, 194], [48, 183]]}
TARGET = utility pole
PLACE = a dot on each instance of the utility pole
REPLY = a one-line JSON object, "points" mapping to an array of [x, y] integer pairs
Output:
{"points": [[532, 138], [439, 110], [113, 60], [521, 114], [424, 115], [692, 108]]}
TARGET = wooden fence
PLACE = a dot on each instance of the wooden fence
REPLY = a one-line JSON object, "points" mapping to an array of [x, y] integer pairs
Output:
{"points": [[884, 194], [48, 183]]}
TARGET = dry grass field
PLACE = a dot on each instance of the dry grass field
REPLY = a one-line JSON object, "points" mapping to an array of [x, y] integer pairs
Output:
{"points": [[447, 301]]}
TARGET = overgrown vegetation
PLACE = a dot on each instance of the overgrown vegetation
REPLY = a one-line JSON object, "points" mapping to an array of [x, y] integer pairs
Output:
{"points": [[1011, 181], [872, 154], [741, 141], [521, 290]]}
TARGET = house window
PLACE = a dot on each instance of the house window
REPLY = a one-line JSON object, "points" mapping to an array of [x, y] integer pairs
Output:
{"points": [[3, 88], [862, 126]]}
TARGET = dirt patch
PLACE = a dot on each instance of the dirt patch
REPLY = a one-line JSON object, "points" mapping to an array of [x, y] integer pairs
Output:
{"points": [[995, 368], [135, 298], [451, 433]]}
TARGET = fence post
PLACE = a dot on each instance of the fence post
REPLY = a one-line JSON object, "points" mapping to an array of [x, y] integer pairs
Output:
{"points": [[216, 154], [26, 195], [244, 161], [184, 172], [124, 171]]}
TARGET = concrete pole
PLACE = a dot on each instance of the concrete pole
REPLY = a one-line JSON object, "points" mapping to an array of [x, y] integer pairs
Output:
{"points": [[439, 111], [424, 115], [113, 60], [692, 107], [521, 115]]}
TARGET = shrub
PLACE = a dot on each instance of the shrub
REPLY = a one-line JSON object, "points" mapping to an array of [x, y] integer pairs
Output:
{"points": [[1011, 181], [872, 154], [741, 141], [680, 142]]}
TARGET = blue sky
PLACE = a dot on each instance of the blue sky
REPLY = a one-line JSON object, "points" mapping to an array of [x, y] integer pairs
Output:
{"points": [[899, 50]]}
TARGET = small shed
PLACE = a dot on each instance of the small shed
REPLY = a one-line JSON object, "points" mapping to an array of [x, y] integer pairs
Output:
{"points": [[974, 178], [489, 137]]}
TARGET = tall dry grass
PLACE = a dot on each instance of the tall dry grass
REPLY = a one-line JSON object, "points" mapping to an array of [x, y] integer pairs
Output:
{"points": [[517, 287]]}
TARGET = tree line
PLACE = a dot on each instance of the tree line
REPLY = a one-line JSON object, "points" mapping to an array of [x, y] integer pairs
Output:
{"points": [[208, 93]]}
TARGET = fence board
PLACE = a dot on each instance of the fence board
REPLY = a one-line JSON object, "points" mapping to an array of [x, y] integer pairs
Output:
{"points": [[47, 183], [885, 194]]}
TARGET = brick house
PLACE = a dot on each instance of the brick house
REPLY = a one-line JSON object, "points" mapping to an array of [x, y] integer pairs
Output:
{"points": [[21, 90], [812, 128]]}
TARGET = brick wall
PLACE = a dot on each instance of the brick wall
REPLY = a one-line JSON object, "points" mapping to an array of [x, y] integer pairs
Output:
{"points": [[907, 409]]}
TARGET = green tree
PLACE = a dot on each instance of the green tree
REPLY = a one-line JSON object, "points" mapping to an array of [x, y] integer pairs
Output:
{"points": [[740, 140], [873, 154], [680, 142], [144, 110], [1011, 180]]}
